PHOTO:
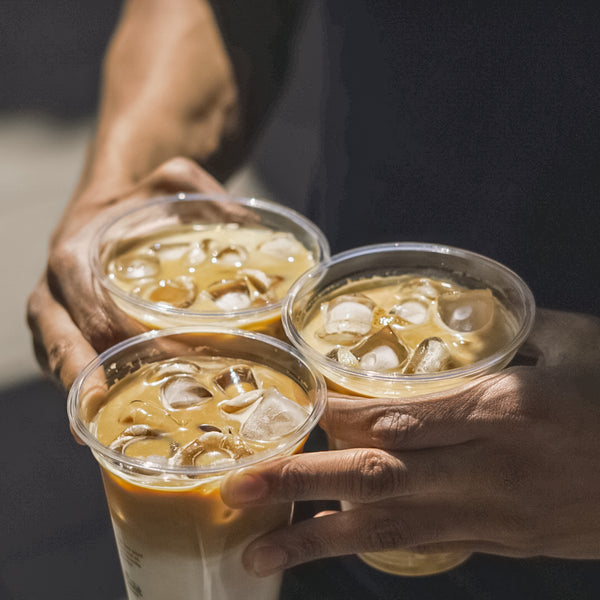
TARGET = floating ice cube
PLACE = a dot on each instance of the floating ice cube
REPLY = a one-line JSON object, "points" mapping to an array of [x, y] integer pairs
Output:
{"points": [[213, 447], [232, 255], [236, 380], [240, 402], [274, 417], [160, 371], [259, 280], [466, 311], [194, 256], [134, 266], [347, 318], [180, 392], [430, 356], [419, 286], [131, 434], [344, 356], [411, 312], [171, 251], [143, 412], [179, 292], [381, 352], [230, 295], [281, 245]]}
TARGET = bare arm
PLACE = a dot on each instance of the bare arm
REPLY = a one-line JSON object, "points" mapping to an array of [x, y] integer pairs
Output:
{"points": [[169, 101]]}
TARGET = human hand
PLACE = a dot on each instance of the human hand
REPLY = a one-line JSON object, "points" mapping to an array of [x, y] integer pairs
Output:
{"points": [[506, 465], [69, 317]]}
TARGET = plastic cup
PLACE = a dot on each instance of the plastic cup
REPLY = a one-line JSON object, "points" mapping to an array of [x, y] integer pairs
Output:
{"points": [[175, 537], [463, 267], [194, 211]]}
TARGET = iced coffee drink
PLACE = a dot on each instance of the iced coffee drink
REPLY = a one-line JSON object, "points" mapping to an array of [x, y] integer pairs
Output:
{"points": [[195, 260], [166, 424], [400, 320], [408, 325]]}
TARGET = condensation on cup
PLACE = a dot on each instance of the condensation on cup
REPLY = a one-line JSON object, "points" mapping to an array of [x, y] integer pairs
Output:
{"points": [[407, 319], [168, 415]]}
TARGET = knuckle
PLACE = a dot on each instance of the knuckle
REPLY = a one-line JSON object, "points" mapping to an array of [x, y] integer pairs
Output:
{"points": [[178, 168], [311, 546], [394, 428], [381, 475], [100, 330], [295, 479], [34, 308], [387, 533], [62, 258], [57, 353]]}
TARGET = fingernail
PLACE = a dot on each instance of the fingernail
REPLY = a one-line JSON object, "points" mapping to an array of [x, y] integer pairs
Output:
{"points": [[240, 489], [268, 559]]}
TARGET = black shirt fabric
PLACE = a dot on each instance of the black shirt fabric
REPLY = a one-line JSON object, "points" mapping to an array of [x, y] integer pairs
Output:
{"points": [[475, 125], [470, 124]]}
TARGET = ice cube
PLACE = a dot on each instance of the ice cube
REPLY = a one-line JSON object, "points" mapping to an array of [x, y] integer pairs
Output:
{"points": [[143, 412], [344, 356], [282, 245], [236, 380], [230, 295], [347, 318], [232, 255], [194, 256], [419, 286], [133, 433], [179, 292], [259, 280], [134, 266], [159, 372], [170, 251], [466, 311], [240, 402], [430, 356], [410, 312], [274, 417], [381, 352], [180, 392], [211, 448]]}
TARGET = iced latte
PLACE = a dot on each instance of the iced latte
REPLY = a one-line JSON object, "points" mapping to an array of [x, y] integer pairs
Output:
{"points": [[200, 260], [167, 417], [400, 320]]}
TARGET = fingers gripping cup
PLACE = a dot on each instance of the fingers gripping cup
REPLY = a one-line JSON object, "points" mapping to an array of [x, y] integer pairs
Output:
{"points": [[406, 319], [168, 414], [193, 259]]}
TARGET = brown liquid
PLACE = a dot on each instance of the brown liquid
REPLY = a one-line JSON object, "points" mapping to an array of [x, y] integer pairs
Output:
{"points": [[176, 538], [410, 306], [194, 267]]}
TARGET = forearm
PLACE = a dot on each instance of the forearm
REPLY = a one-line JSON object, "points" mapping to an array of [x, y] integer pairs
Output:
{"points": [[167, 90]]}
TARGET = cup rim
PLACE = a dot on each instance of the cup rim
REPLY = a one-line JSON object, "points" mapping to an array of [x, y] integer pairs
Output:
{"points": [[482, 365], [251, 314], [153, 468]]}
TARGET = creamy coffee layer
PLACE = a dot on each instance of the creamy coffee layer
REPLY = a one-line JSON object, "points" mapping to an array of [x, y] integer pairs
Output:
{"points": [[200, 411], [209, 268], [407, 324]]}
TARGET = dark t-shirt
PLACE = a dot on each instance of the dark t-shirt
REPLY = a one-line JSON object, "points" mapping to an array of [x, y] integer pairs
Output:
{"points": [[476, 126]]}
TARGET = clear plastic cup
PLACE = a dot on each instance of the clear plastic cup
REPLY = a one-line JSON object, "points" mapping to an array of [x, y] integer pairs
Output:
{"points": [[462, 267], [193, 212], [176, 538]]}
